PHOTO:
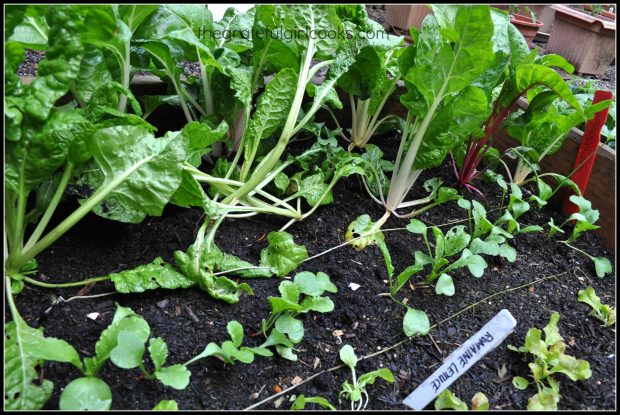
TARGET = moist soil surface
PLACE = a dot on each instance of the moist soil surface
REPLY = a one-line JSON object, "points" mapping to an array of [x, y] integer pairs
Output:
{"points": [[189, 319]]}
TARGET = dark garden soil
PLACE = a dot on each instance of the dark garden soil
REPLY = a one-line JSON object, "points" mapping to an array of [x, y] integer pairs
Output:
{"points": [[189, 319]]}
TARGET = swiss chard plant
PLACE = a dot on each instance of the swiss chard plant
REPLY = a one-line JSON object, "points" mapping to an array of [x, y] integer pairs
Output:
{"points": [[549, 358], [356, 391], [513, 72], [439, 70], [239, 186], [370, 82], [542, 128]]}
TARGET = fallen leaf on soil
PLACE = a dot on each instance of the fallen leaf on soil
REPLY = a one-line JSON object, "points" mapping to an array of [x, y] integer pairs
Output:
{"points": [[93, 316], [296, 380]]}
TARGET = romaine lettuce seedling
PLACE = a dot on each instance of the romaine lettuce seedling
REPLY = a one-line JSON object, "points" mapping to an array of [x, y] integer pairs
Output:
{"points": [[549, 358], [603, 312], [356, 391], [448, 400]]}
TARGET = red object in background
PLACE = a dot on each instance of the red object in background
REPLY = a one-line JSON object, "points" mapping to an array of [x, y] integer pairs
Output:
{"points": [[587, 149]]}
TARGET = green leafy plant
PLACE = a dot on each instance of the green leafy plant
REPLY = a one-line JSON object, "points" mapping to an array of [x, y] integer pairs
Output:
{"points": [[356, 391], [448, 400], [543, 127], [603, 312], [231, 350], [549, 358], [584, 221], [370, 81], [123, 343], [48, 145], [240, 185], [514, 72], [300, 402], [166, 406], [287, 329]]}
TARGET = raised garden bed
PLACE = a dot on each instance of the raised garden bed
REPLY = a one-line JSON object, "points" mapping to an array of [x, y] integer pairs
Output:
{"points": [[189, 319], [406, 332]]}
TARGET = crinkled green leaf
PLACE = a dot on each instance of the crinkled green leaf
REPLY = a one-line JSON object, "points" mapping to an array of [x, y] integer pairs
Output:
{"points": [[448, 400], [282, 255], [25, 349], [157, 274]]}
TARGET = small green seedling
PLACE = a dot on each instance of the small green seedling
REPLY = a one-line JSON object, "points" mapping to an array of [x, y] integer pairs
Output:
{"points": [[300, 402], [603, 312], [166, 406], [449, 244], [123, 343], [355, 392], [549, 359], [448, 400], [287, 329], [231, 350]]}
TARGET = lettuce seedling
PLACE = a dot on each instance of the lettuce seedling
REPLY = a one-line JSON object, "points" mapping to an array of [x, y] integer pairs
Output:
{"points": [[603, 312], [448, 400], [356, 391], [549, 359]]}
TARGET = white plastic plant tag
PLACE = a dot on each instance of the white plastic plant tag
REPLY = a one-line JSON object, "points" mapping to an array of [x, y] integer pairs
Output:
{"points": [[462, 359]]}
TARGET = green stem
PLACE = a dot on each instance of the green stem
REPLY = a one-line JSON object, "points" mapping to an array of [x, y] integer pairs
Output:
{"points": [[62, 185], [88, 205], [66, 284], [126, 68]]}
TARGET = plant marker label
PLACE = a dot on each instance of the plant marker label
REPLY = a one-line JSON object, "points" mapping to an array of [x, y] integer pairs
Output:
{"points": [[462, 359]]}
